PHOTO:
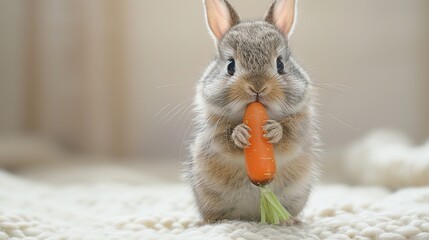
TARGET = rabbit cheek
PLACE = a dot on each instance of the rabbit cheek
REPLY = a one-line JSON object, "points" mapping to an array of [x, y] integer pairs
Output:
{"points": [[294, 95], [238, 92], [273, 88], [216, 96], [272, 92]]}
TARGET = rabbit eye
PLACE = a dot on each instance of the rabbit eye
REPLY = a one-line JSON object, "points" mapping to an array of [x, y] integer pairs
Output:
{"points": [[231, 67], [280, 66]]}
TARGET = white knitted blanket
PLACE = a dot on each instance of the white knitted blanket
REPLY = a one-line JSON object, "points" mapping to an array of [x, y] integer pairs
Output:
{"points": [[124, 210]]}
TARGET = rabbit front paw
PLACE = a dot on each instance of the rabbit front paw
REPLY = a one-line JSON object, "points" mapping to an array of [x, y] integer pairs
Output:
{"points": [[240, 136], [273, 131]]}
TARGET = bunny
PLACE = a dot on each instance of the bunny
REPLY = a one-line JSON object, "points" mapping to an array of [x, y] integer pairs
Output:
{"points": [[253, 63]]}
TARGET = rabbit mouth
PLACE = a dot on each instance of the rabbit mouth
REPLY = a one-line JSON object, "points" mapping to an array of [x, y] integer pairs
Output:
{"points": [[273, 108], [261, 100]]}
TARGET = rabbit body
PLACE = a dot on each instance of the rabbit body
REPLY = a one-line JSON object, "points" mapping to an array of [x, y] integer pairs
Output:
{"points": [[216, 169]]}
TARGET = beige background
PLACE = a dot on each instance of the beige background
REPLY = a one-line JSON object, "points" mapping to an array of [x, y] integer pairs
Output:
{"points": [[96, 75]]}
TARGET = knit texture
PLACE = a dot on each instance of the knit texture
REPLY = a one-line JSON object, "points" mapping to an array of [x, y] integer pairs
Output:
{"points": [[30, 210], [117, 209]]}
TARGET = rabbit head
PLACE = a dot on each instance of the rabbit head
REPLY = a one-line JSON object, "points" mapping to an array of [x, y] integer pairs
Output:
{"points": [[253, 63]]}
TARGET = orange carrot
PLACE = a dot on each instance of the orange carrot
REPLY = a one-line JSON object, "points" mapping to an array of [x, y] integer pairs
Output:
{"points": [[260, 163], [261, 166]]}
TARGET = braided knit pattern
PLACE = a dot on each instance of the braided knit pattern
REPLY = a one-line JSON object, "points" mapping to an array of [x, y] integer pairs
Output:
{"points": [[117, 210]]}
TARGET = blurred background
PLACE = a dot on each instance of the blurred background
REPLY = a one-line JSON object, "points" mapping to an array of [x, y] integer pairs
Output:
{"points": [[115, 79]]}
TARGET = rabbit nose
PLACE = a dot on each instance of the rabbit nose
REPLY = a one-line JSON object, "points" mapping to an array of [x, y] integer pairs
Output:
{"points": [[253, 89], [256, 90]]}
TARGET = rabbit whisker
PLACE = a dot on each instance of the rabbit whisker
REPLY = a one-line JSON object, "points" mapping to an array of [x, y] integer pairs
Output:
{"points": [[176, 107], [344, 123]]}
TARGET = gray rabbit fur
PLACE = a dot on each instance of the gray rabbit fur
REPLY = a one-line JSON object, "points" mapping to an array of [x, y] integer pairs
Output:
{"points": [[255, 53]]}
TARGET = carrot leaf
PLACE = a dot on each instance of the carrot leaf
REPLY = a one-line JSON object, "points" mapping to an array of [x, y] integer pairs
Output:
{"points": [[272, 211]]}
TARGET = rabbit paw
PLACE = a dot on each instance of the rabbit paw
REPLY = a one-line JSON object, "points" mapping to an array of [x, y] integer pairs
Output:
{"points": [[293, 221], [240, 136], [273, 131]]}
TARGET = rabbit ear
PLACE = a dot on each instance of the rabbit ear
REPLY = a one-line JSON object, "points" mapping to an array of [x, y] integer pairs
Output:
{"points": [[282, 14], [220, 17]]}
